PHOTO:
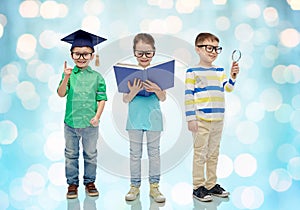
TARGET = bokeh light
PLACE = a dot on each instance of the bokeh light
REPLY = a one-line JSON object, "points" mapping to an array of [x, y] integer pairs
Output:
{"points": [[280, 180]]}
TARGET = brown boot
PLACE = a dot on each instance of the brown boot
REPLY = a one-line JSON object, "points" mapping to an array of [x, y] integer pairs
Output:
{"points": [[91, 189], [72, 191]]}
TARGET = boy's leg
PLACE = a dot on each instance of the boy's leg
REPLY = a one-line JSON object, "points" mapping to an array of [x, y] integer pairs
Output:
{"points": [[213, 153], [153, 148], [200, 153], [71, 155], [89, 145], [136, 150]]}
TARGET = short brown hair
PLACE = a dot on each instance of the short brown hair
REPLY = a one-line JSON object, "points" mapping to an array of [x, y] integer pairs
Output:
{"points": [[205, 36], [147, 38]]}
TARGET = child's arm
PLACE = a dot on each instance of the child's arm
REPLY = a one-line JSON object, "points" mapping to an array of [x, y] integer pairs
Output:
{"points": [[152, 87], [228, 84], [136, 86], [190, 110], [62, 89], [234, 70], [95, 120]]}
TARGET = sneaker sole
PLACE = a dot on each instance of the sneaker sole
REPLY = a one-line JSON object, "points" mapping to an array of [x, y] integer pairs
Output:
{"points": [[71, 196], [203, 199], [220, 195], [92, 194], [159, 201], [128, 199]]}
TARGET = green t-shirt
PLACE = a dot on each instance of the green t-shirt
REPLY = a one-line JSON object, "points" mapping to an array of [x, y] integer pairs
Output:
{"points": [[84, 89]]}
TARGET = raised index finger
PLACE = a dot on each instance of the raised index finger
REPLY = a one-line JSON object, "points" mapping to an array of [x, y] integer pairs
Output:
{"points": [[65, 64]]}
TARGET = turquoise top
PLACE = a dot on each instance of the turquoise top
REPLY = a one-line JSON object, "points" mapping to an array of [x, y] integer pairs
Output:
{"points": [[144, 114]]}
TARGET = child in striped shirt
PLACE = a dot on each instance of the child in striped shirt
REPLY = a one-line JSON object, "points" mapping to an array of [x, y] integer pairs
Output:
{"points": [[205, 107]]}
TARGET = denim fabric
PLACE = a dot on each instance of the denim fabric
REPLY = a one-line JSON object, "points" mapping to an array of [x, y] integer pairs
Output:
{"points": [[89, 137], [136, 151]]}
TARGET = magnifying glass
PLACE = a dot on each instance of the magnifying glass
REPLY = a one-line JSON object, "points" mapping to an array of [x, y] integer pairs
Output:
{"points": [[236, 56]]}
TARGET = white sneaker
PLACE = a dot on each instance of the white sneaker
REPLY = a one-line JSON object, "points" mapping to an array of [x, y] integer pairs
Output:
{"points": [[132, 194], [156, 194]]}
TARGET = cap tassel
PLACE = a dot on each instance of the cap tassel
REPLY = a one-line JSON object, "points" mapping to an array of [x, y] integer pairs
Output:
{"points": [[97, 62]]}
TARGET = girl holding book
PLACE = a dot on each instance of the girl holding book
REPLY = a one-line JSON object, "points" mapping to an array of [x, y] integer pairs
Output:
{"points": [[144, 116]]}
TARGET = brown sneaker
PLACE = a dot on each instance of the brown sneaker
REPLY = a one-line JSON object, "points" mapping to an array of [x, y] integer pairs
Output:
{"points": [[72, 191], [91, 189]]}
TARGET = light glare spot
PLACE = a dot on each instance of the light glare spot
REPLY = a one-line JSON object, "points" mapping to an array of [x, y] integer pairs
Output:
{"points": [[280, 180], [255, 112], [223, 23], [180, 193], [33, 183], [278, 74], [186, 6], [285, 152], [247, 132], [219, 2], [294, 168], [283, 114], [8, 132], [49, 9], [29, 9], [54, 146], [91, 24], [26, 46], [271, 16], [252, 197], [271, 99], [93, 7], [290, 37], [49, 39], [225, 166], [56, 174], [253, 11], [244, 32], [173, 24], [295, 120], [245, 165]]}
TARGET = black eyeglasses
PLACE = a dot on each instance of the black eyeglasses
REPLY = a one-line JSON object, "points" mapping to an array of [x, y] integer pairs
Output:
{"points": [[210, 48], [148, 54], [86, 56]]}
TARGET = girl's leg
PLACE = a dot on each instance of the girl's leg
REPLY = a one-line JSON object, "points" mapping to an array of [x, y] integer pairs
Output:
{"points": [[136, 151], [153, 146]]}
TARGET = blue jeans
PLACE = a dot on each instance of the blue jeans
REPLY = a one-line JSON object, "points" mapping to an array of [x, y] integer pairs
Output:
{"points": [[136, 151], [89, 137]]}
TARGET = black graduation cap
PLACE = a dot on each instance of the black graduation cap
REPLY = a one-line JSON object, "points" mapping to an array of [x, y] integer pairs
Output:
{"points": [[82, 38]]}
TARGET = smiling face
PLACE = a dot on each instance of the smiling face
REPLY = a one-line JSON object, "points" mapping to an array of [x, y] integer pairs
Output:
{"points": [[82, 56], [207, 58], [144, 49]]}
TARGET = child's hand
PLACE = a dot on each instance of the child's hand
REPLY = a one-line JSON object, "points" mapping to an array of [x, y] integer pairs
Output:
{"points": [[151, 86], [67, 71], [94, 121], [193, 126], [234, 70], [136, 86]]}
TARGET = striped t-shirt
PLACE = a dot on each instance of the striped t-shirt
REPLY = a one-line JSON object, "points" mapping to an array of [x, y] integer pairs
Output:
{"points": [[204, 93]]}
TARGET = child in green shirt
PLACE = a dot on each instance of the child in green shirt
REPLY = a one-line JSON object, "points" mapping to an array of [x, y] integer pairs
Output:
{"points": [[86, 95]]}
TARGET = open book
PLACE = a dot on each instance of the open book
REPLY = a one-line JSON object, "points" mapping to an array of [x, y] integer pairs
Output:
{"points": [[161, 73]]}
